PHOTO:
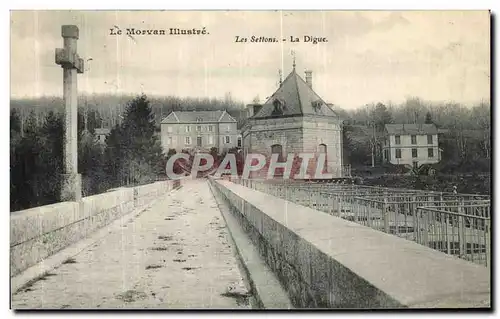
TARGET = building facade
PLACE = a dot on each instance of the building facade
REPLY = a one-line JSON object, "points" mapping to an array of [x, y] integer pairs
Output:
{"points": [[411, 144], [295, 120], [199, 131]]}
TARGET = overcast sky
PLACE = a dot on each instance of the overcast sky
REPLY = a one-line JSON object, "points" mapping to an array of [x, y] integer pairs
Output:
{"points": [[369, 56]]}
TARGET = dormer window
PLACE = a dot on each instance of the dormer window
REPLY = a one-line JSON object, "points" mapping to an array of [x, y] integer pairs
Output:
{"points": [[278, 107], [317, 106], [199, 119]]}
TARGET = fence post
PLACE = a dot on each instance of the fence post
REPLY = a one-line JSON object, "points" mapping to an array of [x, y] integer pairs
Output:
{"points": [[354, 209], [368, 214], [385, 213], [416, 226], [487, 242], [446, 233]]}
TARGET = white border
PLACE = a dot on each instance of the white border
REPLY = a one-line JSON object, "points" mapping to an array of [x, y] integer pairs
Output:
{"points": [[205, 5]]}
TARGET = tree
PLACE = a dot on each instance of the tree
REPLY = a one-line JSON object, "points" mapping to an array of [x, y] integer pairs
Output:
{"points": [[15, 121], [380, 116], [113, 158], [481, 116], [91, 165], [36, 162], [347, 143], [171, 152], [51, 156], [136, 156], [428, 118]]}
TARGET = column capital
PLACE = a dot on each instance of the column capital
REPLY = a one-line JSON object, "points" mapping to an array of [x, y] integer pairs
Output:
{"points": [[69, 31]]}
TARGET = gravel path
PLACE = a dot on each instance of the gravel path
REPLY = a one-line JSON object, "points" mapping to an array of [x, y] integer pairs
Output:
{"points": [[175, 254]]}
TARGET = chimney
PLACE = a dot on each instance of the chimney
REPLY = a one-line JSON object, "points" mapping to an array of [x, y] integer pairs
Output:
{"points": [[309, 79], [252, 109], [256, 108]]}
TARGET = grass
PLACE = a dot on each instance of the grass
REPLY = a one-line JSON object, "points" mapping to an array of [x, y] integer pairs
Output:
{"points": [[159, 248], [131, 296], [28, 286], [165, 237], [153, 266], [70, 260]]}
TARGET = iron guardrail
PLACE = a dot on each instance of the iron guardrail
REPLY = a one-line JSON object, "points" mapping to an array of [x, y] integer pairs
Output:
{"points": [[456, 224]]}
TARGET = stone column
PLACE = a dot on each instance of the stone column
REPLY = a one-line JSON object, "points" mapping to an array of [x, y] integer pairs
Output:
{"points": [[71, 64]]}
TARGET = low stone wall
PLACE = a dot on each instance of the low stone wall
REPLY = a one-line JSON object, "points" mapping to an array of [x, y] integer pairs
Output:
{"points": [[38, 233], [146, 193], [327, 262]]}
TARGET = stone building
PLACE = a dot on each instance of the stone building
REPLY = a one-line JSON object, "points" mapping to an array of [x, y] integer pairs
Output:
{"points": [[294, 119], [411, 144], [199, 131], [101, 134]]}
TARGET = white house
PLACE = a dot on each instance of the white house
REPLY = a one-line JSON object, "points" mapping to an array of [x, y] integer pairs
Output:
{"points": [[411, 144]]}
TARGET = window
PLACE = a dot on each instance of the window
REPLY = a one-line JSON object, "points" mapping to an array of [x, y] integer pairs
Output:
{"points": [[414, 152], [210, 128], [210, 139], [429, 139], [414, 139], [398, 153], [239, 141], [430, 152], [198, 128], [278, 107], [277, 149], [198, 141], [386, 154], [415, 165], [199, 119], [398, 139], [188, 128], [169, 129], [169, 140], [227, 139], [188, 140]]}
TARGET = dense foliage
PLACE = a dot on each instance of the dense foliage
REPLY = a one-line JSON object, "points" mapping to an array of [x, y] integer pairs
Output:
{"points": [[133, 154], [465, 132]]}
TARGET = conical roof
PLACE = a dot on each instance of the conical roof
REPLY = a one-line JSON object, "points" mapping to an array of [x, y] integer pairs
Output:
{"points": [[294, 98]]}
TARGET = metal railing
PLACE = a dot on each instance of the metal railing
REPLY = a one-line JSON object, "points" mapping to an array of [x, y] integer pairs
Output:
{"points": [[456, 224]]}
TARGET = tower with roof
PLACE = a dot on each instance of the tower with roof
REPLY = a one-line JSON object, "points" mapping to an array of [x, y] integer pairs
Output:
{"points": [[293, 120]]}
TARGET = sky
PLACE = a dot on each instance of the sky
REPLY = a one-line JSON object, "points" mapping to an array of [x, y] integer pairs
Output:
{"points": [[370, 56]]}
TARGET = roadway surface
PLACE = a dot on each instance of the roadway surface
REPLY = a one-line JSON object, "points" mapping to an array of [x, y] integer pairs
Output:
{"points": [[176, 254]]}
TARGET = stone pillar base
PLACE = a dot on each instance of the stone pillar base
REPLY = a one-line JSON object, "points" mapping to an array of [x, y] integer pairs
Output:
{"points": [[71, 188]]}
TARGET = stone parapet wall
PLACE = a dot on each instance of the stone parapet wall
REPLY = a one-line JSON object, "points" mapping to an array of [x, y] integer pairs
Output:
{"points": [[327, 262], [38, 233]]}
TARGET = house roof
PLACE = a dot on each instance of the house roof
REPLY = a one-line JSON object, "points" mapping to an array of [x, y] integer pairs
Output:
{"points": [[193, 116], [413, 129], [297, 98]]}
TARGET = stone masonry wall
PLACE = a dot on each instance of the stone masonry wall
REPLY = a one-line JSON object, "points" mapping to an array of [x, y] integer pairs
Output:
{"points": [[297, 135], [327, 262], [38, 233]]}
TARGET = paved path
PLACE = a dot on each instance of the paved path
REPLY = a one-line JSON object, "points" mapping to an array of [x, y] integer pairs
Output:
{"points": [[176, 254]]}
